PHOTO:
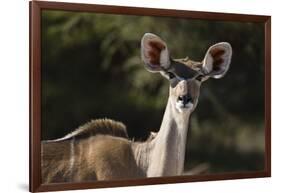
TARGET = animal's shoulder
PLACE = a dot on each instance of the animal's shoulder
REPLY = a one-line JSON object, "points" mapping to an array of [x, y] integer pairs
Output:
{"points": [[111, 147], [97, 127]]}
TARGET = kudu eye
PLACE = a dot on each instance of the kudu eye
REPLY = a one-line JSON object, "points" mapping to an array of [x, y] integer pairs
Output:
{"points": [[199, 78], [171, 75]]}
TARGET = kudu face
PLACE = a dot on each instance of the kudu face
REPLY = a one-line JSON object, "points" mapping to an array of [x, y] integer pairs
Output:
{"points": [[185, 75]]}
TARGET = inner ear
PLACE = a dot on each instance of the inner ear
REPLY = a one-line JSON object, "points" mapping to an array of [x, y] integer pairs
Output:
{"points": [[154, 53], [217, 60], [217, 54]]}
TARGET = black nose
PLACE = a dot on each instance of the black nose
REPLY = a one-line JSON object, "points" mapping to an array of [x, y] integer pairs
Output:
{"points": [[185, 99]]}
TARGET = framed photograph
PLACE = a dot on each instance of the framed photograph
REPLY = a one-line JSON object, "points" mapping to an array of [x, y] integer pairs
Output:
{"points": [[125, 96]]}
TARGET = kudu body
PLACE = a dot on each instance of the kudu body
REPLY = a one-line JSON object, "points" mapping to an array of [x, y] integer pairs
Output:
{"points": [[101, 150]]}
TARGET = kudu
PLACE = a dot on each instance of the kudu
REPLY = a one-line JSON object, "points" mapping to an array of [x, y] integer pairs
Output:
{"points": [[101, 150]]}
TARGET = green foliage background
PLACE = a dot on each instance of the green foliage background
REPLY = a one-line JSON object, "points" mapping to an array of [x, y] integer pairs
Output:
{"points": [[91, 68]]}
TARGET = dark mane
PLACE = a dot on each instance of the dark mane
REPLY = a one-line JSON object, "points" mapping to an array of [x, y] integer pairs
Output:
{"points": [[96, 127]]}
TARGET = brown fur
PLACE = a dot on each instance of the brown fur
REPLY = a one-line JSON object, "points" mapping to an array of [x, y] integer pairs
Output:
{"points": [[95, 159], [154, 52], [182, 66], [98, 146], [97, 126], [114, 159], [217, 56]]}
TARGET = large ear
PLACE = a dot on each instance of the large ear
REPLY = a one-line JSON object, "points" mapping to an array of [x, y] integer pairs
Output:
{"points": [[154, 53], [217, 60]]}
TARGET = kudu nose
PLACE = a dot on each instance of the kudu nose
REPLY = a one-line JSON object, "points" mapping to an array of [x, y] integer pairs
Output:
{"points": [[182, 87]]}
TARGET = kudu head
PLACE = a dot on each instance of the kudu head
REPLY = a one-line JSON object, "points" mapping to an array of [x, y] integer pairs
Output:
{"points": [[185, 76]]}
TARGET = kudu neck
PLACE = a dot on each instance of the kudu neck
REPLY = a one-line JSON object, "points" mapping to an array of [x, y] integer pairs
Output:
{"points": [[168, 152]]}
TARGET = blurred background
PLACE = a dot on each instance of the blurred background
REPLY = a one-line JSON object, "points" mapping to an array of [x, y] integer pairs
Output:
{"points": [[91, 68]]}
